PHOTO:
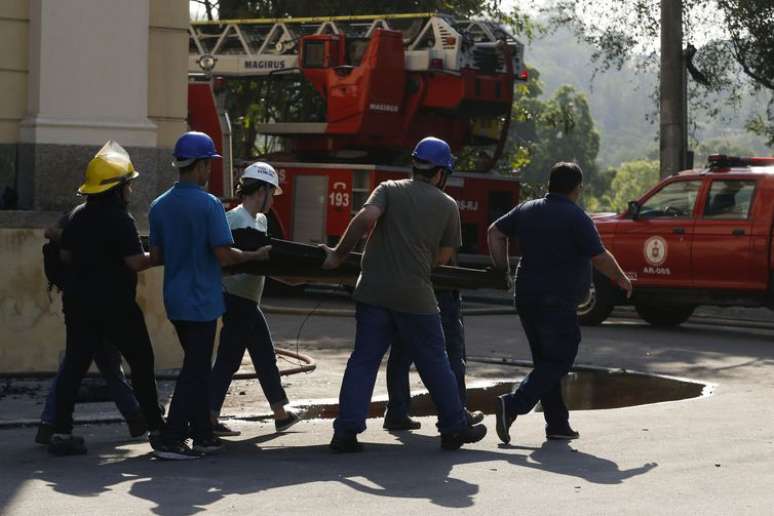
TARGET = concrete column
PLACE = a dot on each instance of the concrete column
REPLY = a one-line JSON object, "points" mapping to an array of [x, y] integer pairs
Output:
{"points": [[88, 82], [88, 73]]}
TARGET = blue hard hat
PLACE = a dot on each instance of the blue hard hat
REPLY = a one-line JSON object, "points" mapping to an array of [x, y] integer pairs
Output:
{"points": [[194, 145], [433, 152]]}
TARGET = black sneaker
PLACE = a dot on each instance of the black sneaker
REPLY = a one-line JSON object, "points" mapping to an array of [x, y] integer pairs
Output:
{"points": [[504, 421], [137, 425], [66, 444], [175, 451], [474, 417], [155, 440], [283, 424], [472, 434], [211, 445], [397, 425], [220, 429], [44, 434], [562, 434], [345, 443]]}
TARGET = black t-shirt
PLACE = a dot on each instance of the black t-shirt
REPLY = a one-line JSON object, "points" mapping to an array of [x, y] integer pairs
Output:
{"points": [[99, 235]]}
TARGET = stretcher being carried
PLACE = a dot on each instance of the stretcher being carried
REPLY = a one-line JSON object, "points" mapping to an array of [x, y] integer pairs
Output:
{"points": [[302, 263]]}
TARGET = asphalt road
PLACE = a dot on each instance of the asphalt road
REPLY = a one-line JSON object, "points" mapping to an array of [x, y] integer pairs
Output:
{"points": [[704, 456]]}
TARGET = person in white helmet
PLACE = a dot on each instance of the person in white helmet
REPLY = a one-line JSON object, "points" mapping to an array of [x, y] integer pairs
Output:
{"points": [[244, 326]]}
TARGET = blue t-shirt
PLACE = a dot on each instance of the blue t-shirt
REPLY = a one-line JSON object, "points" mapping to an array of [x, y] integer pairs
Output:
{"points": [[186, 223], [557, 242]]}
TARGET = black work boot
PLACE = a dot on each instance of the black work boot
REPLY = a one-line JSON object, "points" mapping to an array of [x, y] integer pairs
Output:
{"points": [[474, 417], [561, 433], [137, 425], [398, 424], [455, 440], [66, 444], [45, 431], [345, 443]]}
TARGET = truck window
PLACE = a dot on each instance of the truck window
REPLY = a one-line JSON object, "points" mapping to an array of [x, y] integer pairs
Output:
{"points": [[729, 199], [675, 200]]}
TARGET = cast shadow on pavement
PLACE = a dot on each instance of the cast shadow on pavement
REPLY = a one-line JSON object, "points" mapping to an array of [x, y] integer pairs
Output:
{"points": [[412, 469]]}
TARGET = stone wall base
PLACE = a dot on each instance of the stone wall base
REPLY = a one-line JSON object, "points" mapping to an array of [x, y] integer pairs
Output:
{"points": [[47, 176]]}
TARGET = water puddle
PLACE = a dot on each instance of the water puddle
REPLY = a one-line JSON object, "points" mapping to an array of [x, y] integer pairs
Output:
{"points": [[583, 389]]}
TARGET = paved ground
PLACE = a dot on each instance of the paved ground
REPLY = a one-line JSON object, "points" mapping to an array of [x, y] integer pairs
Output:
{"points": [[705, 456]]}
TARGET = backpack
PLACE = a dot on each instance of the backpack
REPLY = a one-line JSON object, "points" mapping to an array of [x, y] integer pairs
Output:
{"points": [[53, 265]]}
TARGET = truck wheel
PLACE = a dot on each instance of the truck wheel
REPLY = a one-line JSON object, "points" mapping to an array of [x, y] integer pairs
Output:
{"points": [[664, 315], [597, 305]]}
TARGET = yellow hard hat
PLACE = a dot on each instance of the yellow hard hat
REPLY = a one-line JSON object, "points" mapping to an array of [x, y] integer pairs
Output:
{"points": [[109, 168]]}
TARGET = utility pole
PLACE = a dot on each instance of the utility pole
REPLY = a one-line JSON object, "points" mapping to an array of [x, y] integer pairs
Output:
{"points": [[673, 142]]}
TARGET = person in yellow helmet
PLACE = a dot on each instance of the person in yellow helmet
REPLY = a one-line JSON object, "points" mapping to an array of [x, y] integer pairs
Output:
{"points": [[103, 251]]}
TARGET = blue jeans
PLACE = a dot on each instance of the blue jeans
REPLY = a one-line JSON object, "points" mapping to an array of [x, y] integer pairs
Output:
{"points": [[108, 360], [399, 405], [244, 327], [551, 326], [189, 406], [422, 336]]}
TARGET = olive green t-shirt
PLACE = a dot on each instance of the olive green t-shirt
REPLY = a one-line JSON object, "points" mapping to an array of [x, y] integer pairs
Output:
{"points": [[417, 219]]}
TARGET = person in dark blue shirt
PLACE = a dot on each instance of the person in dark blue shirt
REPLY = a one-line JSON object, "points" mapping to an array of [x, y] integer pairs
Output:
{"points": [[190, 236], [559, 243]]}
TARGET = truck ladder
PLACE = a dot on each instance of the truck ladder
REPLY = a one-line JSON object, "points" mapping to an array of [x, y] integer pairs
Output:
{"points": [[432, 42]]}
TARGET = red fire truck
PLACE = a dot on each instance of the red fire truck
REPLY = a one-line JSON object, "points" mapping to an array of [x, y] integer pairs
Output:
{"points": [[701, 237], [380, 84]]}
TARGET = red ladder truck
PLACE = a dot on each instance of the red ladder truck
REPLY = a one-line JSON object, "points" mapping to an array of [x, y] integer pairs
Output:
{"points": [[381, 83]]}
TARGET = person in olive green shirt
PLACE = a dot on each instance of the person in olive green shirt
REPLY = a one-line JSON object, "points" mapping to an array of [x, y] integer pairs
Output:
{"points": [[416, 226]]}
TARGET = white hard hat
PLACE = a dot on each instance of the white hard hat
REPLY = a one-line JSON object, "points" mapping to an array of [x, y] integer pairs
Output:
{"points": [[261, 171]]}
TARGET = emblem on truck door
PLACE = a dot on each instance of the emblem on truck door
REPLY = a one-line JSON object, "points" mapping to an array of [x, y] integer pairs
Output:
{"points": [[655, 250]]}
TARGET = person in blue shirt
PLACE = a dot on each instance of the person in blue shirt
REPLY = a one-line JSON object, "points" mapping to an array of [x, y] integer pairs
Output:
{"points": [[190, 236], [558, 243]]}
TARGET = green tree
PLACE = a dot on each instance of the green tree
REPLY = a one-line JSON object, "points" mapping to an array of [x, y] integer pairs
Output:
{"points": [[743, 51], [631, 180], [559, 129]]}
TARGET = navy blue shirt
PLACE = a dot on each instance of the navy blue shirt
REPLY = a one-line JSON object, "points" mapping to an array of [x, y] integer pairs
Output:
{"points": [[186, 223], [557, 241]]}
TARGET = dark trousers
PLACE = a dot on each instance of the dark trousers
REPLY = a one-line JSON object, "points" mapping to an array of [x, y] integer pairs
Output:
{"points": [[88, 331], [422, 336], [399, 362], [108, 361], [551, 326], [244, 327], [189, 406]]}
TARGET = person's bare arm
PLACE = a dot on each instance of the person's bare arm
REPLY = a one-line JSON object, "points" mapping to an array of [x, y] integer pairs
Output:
{"points": [[607, 265], [498, 248], [445, 254], [358, 226], [228, 256], [156, 256]]}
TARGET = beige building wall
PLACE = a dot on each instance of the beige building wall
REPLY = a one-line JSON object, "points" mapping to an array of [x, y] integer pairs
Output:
{"points": [[168, 69], [32, 333], [14, 42]]}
